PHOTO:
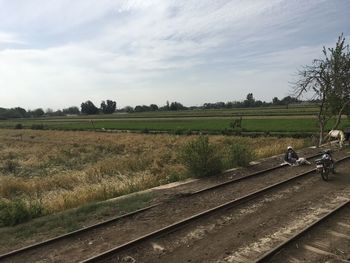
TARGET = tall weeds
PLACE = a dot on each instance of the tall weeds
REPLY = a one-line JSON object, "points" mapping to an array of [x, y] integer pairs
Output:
{"points": [[44, 172]]}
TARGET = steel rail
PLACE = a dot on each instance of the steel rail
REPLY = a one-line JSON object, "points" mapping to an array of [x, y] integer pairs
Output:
{"points": [[177, 225], [236, 180], [268, 255], [70, 234]]}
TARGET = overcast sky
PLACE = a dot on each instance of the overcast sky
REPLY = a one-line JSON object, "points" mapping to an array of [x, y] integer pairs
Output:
{"points": [[59, 53]]}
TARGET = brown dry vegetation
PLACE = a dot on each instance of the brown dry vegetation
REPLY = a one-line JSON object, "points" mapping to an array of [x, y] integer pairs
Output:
{"points": [[61, 170]]}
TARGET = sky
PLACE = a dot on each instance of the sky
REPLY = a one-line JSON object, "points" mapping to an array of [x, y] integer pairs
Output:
{"points": [[60, 53]]}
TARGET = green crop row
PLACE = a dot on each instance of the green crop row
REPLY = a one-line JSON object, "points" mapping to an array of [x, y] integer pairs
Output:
{"points": [[195, 124]]}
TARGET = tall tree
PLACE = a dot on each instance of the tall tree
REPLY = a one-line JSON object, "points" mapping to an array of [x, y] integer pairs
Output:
{"points": [[108, 107], [275, 101], [22, 112], [328, 79], [153, 107], [71, 110], [128, 109], [89, 108], [38, 112], [174, 106], [250, 101]]}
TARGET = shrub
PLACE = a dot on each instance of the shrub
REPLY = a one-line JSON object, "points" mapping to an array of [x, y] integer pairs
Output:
{"points": [[188, 132], [227, 131], [178, 132], [37, 127], [18, 126], [238, 155], [18, 211], [200, 157], [11, 166], [13, 212]]}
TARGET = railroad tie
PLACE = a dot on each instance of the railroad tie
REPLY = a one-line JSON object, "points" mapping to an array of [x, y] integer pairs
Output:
{"points": [[337, 234], [324, 253]]}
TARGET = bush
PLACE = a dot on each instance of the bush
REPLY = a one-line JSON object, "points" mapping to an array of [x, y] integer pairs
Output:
{"points": [[178, 132], [200, 157], [227, 131], [145, 130], [37, 127], [13, 213], [17, 211], [18, 126], [189, 132], [238, 155], [11, 166]]}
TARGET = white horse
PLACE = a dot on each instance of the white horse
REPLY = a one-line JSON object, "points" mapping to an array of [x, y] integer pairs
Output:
{"points": [[338, 134]]}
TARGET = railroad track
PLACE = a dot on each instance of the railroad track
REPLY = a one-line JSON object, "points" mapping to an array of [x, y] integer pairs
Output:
{"points": [[8, 256], [252, 175], [79, 231], [110, 254], [311, 246]]}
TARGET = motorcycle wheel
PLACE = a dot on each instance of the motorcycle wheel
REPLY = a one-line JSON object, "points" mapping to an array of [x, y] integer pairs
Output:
{"points": [[324, 174], [333, 170]]}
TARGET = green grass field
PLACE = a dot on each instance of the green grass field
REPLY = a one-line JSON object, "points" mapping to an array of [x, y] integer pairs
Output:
{"points": [[271, 119], [176, 124]]}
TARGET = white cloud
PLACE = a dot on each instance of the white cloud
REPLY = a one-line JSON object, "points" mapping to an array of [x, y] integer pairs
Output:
{"points": [[8, 38]]}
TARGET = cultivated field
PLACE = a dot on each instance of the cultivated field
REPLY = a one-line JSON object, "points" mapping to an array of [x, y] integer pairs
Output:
{"points": [[294, 120], [43, 172]]}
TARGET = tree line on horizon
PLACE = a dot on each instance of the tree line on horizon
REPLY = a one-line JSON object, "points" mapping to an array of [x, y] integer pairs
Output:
{"points": [[110, 106]]}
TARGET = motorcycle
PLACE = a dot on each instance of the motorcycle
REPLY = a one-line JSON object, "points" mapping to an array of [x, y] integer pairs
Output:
{"points": [[325, 166]]}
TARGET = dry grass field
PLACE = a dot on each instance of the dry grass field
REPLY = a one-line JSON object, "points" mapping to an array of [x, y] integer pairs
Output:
{"points": [[50, 171]]}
